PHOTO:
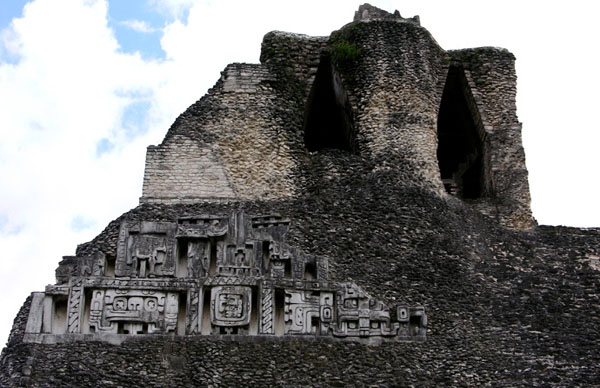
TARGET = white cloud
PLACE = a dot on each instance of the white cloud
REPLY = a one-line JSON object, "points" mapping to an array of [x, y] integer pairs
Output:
{"points": [[175, 8], [138, 26]]}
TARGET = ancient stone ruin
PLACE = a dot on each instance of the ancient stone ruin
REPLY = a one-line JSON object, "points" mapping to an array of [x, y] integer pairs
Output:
{"points": [[352, 211], [210, 275]]}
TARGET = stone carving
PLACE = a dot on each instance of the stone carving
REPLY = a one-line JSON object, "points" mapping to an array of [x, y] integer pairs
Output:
{"points": [[147, 284], [222, 274], [230, 308], [302, 312], [133, 311], [202, 227], [270, 221], [171, 312], [193, 312], [198, 257], [280, 260], [360, 315], [326, 311], [323, 269], [52, 289], [145, 249], [74, 309], [267, 309], [200, 240], [98, 268]]}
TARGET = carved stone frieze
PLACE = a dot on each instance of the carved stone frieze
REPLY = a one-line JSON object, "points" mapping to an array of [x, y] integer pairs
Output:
{"points": [[146, 249], [193, 318], [301, 312], [267, 312], [133, 311], [230, 280], [360, 315], [52, 289], [74, 309], [164, 284], [217, 274], [230, 308], [307, 312], [202, 227]]}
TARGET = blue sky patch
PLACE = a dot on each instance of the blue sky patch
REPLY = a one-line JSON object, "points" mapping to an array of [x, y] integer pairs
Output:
{"points": [[79, 223], [9, 10], [135, 116], [6, 228], [104, 146], [137, 27]]}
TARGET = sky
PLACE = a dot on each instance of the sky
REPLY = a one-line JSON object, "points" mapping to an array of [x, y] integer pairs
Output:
{"points": [[87, 85]]}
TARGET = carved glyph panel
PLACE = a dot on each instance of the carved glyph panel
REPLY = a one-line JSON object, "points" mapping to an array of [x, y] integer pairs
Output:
{"points": [[221, 274], [146, 249], [230, 306], [133, 311]]}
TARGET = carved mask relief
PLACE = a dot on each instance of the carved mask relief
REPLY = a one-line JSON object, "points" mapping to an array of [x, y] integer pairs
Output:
{"points": [[230, 308], [133, 311], [226, 274], [146, 249]]}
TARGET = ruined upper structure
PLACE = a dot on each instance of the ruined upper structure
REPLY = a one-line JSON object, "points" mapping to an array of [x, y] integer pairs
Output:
{"points": [[366, 188], [446, 119]]}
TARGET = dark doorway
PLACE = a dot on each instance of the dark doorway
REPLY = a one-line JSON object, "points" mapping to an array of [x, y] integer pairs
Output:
{"points": [[328, 118], [460, 145]]}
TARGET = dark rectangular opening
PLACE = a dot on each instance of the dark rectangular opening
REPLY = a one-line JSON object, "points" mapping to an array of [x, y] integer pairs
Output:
{"points": [[59, 315], [85, 325], [279, 321], [253, 328], [182, 314], [205, 330], [315, 324], [182, 258], [266, 245], [328, 121], [461, 153], [109, 269], [310, 271], [414, 324], [287, 269], [213, 257]]}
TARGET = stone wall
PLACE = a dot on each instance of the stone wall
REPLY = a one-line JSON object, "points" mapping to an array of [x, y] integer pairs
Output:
{"points": [[509, 309], [395, 86], [493, 82], [184, 171], [233, 143], [295, 56], [249, 139]]}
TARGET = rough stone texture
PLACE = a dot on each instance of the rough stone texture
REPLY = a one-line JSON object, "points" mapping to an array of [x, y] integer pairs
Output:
{"points": [[492, 81], [230, 144], [367, 12], [181, 170], [245, 138], [509, 303]]}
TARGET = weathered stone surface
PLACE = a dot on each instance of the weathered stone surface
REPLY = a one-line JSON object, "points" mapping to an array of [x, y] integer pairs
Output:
{"points": [[211, 274], [262, 257]]}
